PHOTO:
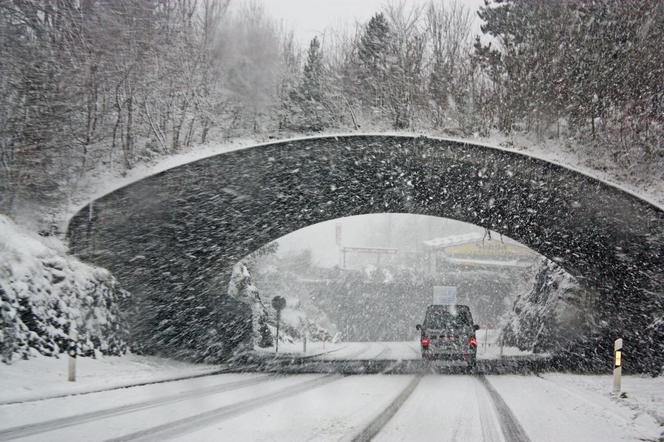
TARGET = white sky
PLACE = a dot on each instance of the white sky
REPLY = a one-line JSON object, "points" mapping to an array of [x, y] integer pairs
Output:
{"points": [[308, 18], [402, 231]]}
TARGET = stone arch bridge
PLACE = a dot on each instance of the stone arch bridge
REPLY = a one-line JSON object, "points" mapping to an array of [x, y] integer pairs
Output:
{"points": [[172, 238]]}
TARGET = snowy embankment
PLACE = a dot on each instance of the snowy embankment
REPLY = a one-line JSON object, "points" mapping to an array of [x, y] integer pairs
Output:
{"points": [[44, 292], [44, 377]]}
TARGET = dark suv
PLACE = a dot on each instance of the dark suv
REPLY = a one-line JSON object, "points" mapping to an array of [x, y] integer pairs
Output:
{"points": [[448, 333]]}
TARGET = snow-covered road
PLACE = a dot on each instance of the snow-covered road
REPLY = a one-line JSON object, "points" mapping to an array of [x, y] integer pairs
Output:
{"points": [[487, 348], [255, 407]]}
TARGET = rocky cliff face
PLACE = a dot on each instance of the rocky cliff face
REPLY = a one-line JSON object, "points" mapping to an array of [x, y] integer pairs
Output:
{"points": [[554, 312]]}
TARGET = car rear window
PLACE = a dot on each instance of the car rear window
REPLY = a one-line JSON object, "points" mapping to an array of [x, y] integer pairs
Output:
{"points": [[447, 319]]}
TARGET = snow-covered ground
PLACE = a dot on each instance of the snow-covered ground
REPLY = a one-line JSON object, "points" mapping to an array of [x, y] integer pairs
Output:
{"points": [[41, 377], [336, 411], [47, 377], [450, 408], [564, 407], [259, 407], [642, 394]]}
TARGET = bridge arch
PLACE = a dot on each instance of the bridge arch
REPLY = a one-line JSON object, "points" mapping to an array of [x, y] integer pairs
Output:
{"points": [[167, 236]]}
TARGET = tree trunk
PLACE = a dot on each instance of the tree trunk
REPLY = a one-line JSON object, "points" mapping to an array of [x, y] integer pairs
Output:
{"points": [[118, 120], [206, 128], [129, 140], [190, 132], [178, 126]]}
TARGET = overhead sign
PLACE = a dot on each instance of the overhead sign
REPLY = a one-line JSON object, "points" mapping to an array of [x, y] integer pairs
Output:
{"points": [[444, 295]]}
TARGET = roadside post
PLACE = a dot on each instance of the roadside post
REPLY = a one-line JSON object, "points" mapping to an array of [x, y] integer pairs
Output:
{"points": [[617, 365], [303, 330], [278, 303], [72, 350]]}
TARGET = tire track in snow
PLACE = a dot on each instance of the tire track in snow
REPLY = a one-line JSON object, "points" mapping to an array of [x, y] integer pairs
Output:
{"points": [[510, 426], [57, 424], [188, 424], [489, 420], [377, 424]]}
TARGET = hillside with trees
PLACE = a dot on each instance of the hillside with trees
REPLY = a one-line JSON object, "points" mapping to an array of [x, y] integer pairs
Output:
{"points": [[107, 85]]}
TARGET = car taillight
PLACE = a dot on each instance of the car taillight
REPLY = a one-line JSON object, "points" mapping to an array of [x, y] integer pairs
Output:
{"points": [[472, 341], [425, 340]]}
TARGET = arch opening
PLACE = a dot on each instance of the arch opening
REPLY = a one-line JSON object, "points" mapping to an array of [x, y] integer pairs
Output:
{"points": [[365, 281]]}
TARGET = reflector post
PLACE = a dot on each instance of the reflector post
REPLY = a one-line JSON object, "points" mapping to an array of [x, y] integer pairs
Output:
{"points": [[617, 365], [72, 351]]}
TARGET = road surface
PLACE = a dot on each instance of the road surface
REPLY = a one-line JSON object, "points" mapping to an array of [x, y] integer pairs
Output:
{"points": [[488, 347], [262, 407]]}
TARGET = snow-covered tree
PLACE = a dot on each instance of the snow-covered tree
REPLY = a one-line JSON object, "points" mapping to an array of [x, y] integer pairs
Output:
{"points": [[44, 293], [312, 110]]}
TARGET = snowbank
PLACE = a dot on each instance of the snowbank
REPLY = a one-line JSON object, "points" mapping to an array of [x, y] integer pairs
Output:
{"points": [[43, 291], [44, 377]]}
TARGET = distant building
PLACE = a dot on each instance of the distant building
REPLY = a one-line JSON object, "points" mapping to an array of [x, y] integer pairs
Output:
{"points": [[477, 251], [488, 271]]}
